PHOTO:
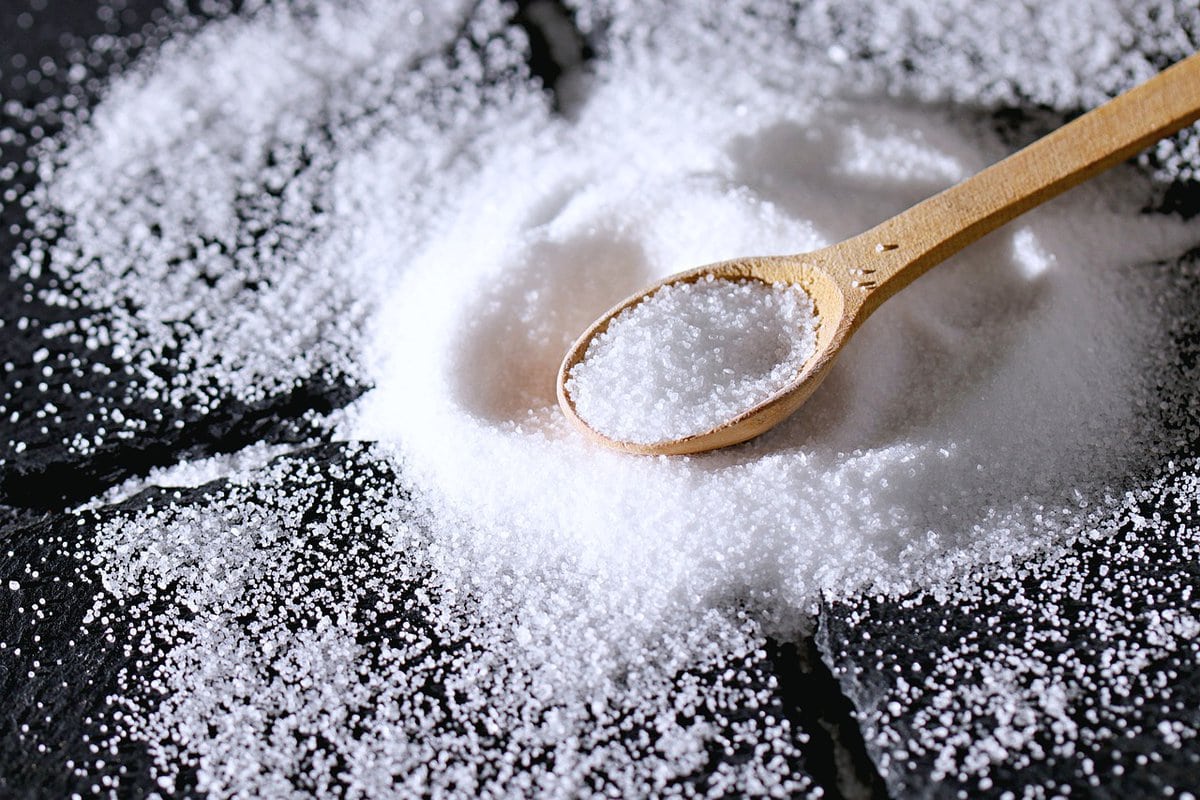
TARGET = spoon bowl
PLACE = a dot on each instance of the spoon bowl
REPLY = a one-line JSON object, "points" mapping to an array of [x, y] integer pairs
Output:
{"points": [[828, 290], [849, 280]]}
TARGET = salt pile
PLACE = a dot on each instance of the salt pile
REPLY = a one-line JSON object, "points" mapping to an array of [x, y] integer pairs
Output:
{"points": [[384, 194], [691, 357]]}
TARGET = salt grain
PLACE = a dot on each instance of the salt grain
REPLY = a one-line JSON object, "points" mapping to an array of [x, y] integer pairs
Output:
{"points": [[691, 357]]}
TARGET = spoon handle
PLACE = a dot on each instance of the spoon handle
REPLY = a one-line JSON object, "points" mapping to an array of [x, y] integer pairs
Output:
{"points": [[905, 246]]}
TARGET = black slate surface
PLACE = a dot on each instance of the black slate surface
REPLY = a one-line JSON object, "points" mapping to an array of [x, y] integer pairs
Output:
{"points": [[62, 662], [39, 466], [1079, 676]]}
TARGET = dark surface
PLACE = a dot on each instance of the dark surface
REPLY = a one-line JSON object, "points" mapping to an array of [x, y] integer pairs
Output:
{"points": [[61, 662], [55, 677], [47, 473], [1099, 650]]}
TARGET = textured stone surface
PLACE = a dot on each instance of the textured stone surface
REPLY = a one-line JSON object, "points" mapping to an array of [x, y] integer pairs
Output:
{"points": [[75, 668], [1079, 675], [41, 462]]}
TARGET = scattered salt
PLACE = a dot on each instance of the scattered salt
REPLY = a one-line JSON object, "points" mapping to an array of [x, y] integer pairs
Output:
{"points": [[692, 357], [367, 192], [195, 472]]}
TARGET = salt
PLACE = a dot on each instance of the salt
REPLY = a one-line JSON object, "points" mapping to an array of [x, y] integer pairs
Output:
{"points": [[691, 357], [363, 191]]}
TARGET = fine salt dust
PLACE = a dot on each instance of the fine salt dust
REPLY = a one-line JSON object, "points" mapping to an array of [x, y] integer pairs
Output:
{"points": [[981, 415], [691, 357]]}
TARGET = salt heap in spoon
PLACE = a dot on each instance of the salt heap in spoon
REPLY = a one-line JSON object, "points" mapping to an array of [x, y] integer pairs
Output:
{"points": [[692, 357]]}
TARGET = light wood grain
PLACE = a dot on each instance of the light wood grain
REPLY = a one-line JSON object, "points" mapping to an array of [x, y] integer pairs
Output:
{"points": [[851, 279]]}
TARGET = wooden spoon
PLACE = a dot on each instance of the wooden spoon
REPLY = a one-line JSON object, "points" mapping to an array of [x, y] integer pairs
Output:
{"points": [[849, 280]]}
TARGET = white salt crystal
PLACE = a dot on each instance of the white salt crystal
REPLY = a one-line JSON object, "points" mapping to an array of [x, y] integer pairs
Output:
{"points": [[691, 357]]}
